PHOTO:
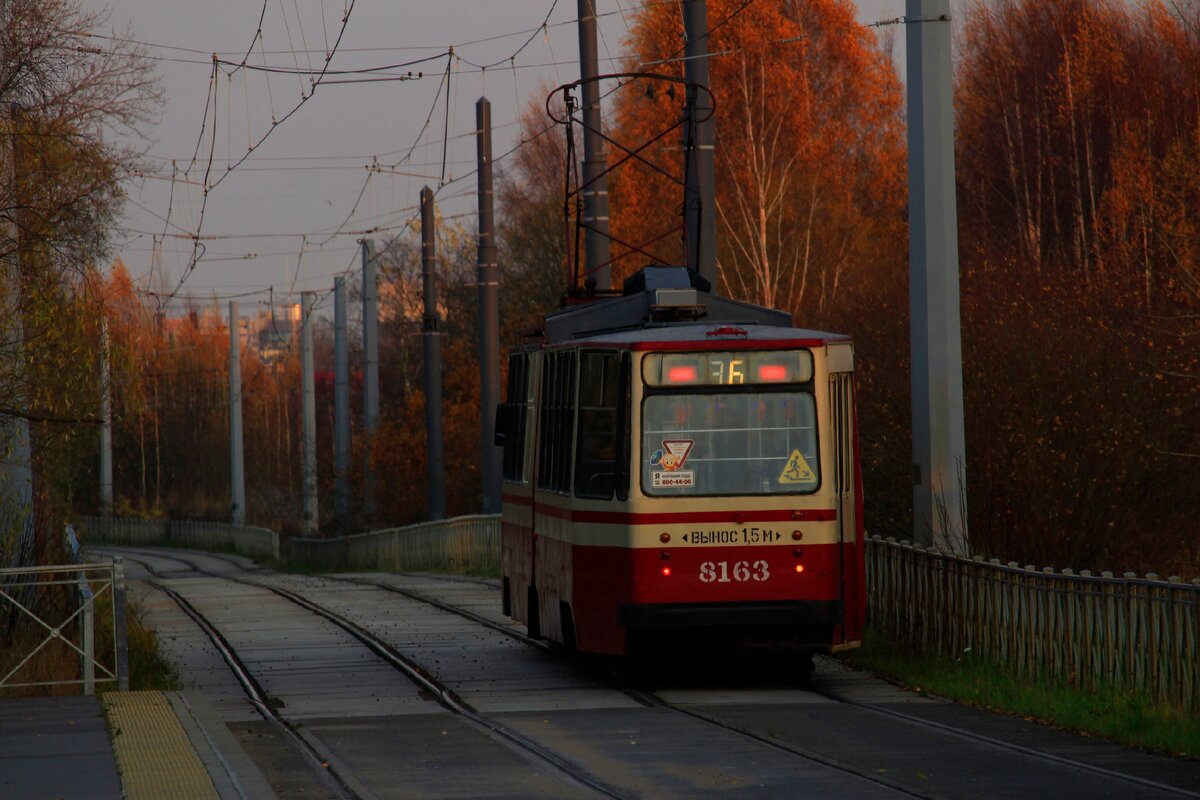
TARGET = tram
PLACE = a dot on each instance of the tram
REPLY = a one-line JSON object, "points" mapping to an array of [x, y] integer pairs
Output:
{"points": [[680, 466]]}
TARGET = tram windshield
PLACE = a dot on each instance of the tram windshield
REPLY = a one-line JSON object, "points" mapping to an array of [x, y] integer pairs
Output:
{"points": [[730, 443]]}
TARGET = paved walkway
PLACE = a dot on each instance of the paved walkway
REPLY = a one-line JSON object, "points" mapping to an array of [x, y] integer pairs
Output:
{"points": [[56, 747], [162, 745]]}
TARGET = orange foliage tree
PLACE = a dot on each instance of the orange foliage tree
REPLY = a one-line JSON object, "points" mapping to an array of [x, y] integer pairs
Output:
{"points": [[1077, 131], [808, 144], [170, 404]]}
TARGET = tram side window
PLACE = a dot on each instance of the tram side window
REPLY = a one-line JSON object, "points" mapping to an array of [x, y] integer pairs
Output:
{"points": [[514, 416], [597, 447], [556, 419]]}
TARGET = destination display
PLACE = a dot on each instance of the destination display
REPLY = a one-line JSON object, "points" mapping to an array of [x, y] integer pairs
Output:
{"points": [[728, 368]]}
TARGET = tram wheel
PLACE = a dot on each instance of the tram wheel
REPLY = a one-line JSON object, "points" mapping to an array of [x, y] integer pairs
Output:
{"points": [[799, 668], [533, 617], [568, 626]]}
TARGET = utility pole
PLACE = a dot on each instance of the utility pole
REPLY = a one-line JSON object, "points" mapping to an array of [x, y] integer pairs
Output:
{"points": [[237, 468], [370, 371], [431, 337], [939, 443], [308, 411], [341, 406], [700, 207], [16, 455], [595, 183], [487, 283], [106, 442]]}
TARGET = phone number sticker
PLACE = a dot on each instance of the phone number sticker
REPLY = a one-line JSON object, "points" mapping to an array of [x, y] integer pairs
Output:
{"points": [[672, 480]]}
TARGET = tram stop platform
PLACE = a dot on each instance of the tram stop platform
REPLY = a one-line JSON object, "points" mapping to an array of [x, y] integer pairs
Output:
{"points": [[155, 745]]}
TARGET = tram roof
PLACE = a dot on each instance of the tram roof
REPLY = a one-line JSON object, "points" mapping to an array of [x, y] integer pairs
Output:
{"points": [[712, 334], [672, 304]]}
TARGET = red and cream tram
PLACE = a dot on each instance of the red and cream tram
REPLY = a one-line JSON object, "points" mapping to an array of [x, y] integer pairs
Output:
{"points": [[681, 464]]}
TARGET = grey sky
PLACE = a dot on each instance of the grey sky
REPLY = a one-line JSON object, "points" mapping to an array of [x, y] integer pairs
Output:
{"points": [[277, 212]]}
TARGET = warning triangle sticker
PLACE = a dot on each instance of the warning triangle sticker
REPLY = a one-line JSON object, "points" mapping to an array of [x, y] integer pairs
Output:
{"points": [[797, 470]]}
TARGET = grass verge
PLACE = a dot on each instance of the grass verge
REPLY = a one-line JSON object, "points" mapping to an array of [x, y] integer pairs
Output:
{"points": [[147, 667], [1124, 717]]}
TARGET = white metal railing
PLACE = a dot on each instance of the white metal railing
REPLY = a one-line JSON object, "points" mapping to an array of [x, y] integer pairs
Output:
{"points": [[202, 535], [457, 544], [47, 612]]}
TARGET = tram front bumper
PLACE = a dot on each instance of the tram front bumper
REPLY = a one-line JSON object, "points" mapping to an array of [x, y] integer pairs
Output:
{"points": [[705, 615]]}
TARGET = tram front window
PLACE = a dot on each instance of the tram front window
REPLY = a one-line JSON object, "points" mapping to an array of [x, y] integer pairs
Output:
{"points": [[731, 443]]}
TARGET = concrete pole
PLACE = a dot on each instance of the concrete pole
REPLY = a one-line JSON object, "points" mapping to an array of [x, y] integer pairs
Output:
{"points": [[106, 441], [237, 468], [939, 443], [700, 207], [308, 412], [595, 184], [487, 282], [431, 337], [341, 406], [370, 371], [16, 454]]}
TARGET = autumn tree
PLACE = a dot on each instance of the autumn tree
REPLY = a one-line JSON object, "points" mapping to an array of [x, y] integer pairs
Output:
{"points": [[170, 404], [534, 238], [809, 150], [61, 91], [1076, 128]]}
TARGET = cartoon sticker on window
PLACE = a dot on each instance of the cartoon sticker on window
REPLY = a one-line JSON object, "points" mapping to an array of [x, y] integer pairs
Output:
{"points": [[669, 463], [797, 470], [673, 455]]}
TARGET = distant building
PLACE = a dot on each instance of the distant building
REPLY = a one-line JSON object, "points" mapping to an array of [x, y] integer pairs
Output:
{"points": [[270, 333], [273, 332]]}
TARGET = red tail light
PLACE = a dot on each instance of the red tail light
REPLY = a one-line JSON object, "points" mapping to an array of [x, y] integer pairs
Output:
{"points": [[685, 374], [772, 373]]}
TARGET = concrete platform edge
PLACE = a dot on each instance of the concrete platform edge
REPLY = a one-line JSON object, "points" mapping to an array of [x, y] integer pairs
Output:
{"points": [[234, 775]]}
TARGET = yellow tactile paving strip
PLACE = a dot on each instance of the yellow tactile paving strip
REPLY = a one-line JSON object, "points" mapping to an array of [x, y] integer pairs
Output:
{"points": [[154, 755]]}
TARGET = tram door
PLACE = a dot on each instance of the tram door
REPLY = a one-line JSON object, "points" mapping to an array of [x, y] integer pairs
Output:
{"points": [[517, 419], [841, 403]]}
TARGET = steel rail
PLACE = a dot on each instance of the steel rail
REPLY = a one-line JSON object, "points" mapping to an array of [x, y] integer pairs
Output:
{"points": [[254, 691], [445, 696]]}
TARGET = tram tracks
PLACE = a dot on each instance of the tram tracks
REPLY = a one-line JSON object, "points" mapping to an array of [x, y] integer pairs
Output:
{"points": [[439, 691], [262, 703], [652, 699]]}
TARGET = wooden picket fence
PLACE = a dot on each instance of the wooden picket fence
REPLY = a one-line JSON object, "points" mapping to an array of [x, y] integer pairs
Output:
{"points": [[1092, 631]]}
